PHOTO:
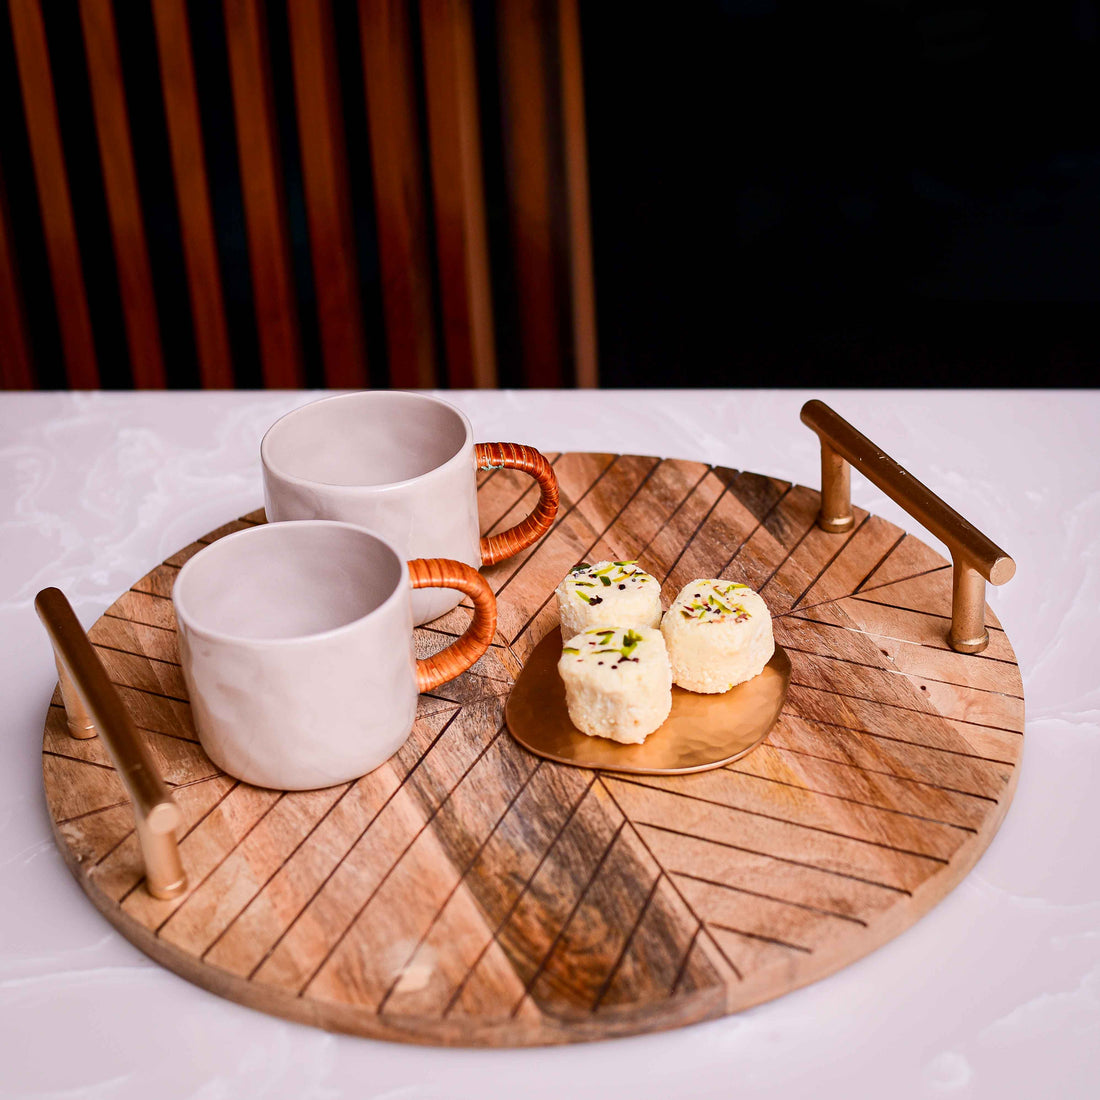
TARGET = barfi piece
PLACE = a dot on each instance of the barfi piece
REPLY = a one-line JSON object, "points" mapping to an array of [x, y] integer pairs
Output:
{"points": [[609, 593], [719, 634], [618, 683]]}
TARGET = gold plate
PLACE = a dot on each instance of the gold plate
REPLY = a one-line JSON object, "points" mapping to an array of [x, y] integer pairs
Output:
{"points": [[701, 732]]}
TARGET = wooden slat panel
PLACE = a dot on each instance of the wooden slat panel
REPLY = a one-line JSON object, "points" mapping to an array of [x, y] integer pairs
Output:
{"points": [[450, 78], [116, 155], [16, 363], [264, 202], [59, 229], [399, 191], [575, 149], [324, 169], [200, 251], [527, 149]]}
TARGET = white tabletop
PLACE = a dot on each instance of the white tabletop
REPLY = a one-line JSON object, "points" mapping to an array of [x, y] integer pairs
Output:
{"points": [[995, 993]]}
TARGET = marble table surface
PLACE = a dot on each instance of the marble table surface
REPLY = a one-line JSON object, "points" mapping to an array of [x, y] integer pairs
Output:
{"points": [[995, 993]]}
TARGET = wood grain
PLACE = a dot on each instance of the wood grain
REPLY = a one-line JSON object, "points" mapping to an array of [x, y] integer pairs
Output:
{"points": [[116, 156], [400, 191], [17, 363], [327, 192], [469, 893], [54, 198], [458, 192], [200, 250], [264, 200]]}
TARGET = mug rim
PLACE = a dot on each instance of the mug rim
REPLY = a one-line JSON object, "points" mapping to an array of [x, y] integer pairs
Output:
{"points": [[367, 395], [184, 616]]}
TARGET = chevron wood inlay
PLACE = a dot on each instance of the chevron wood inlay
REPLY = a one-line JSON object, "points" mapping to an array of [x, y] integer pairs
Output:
{"points": [[469, 893]]}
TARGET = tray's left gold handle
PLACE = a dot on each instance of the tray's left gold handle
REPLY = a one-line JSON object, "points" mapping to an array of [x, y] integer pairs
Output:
{"points": [[92, 705], [976, 558]]}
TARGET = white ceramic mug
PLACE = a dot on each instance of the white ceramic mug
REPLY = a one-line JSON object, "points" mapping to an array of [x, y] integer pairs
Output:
{"points": [[404, 465], [296, 646]]}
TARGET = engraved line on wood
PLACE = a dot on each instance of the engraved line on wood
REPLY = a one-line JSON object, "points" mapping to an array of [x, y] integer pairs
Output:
{"points": [[289, 856], [698, 527], [152, 595], [458, 882], [374, 817], [668, 878], [772, 897], [915, 610], [878, 771], [518, 898], [452, 634], [844, 798], [82, 760], [130, 832], [682, 969], [902, 740], [778, 859], [605, 985], [229, 851], [784, 820], [758, 936], [759, 523], [900, 706], [854, 628], [881, 562], [149, 691], [840, 550], [562, 516], [114, 847], [565, 923], [90, 813], [898, 580], [139, 622], [595, 542], [899, 672], [134, 653], [786, 558], [225, 794], [885, 584], [396, 863]]}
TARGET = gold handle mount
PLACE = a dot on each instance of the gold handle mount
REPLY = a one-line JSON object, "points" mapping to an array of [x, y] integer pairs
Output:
{"points": [[975, 558], [92, 705]]}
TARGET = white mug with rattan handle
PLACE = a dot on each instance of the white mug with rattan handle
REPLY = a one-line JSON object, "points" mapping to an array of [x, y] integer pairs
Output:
{"points": [[296, 641], [404, 465]]}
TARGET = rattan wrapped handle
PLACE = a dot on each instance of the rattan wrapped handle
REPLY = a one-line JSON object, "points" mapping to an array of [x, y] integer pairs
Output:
{"points": [[515, 456], [459, 655]]}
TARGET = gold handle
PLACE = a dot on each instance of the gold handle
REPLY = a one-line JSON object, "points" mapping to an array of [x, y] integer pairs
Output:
{"points": [[515, 456], [459, 655], [92, 704], [975, 558]]}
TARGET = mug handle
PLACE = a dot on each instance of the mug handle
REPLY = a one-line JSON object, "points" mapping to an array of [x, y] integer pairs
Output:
{"points": [[459, 655], [515, 456]]}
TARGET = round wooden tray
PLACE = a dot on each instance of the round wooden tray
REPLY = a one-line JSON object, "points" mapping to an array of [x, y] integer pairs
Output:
{"points": [[469, 893]]}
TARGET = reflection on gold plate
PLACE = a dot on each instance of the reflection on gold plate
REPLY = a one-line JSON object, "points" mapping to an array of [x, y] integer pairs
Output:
{"points": [[701, 732]]}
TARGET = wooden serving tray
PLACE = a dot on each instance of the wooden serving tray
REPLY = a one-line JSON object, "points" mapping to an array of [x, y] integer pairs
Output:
{"points": [[470, 893]]}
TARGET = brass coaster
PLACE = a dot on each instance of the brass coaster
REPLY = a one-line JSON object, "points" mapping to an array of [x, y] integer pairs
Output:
{"points": [[701, 732]]}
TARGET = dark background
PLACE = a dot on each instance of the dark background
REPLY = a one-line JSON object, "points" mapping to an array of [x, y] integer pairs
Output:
{"points": [[874, 193], [856, 194]]}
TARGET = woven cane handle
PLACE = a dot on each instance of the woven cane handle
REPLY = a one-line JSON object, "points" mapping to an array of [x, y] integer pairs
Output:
{"points": [[515, 456], [458, 656]]}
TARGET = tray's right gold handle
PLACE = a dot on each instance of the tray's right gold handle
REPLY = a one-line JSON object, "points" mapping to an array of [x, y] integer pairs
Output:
{"points": [[92, 705], [975, 558]]}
